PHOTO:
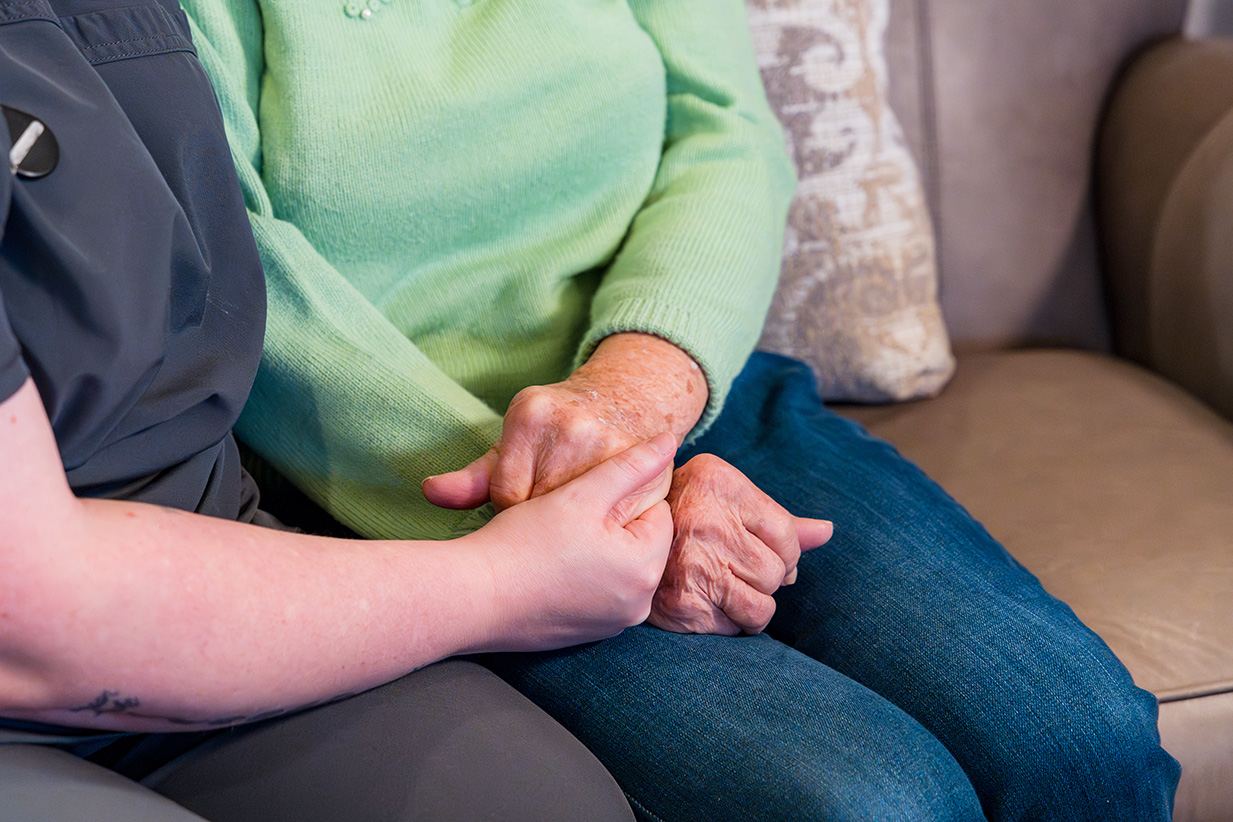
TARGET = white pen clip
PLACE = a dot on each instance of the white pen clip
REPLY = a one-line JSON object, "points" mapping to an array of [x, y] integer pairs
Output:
{"points": [[24, 143]]}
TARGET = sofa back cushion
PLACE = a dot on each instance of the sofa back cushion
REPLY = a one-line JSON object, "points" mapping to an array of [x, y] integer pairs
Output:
{"points": [[1000, 102]]}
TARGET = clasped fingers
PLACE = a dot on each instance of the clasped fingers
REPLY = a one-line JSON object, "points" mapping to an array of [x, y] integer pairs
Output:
{"points": [[733, 548]]}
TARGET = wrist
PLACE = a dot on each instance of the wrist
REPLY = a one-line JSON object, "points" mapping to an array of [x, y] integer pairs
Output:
{"points": [[497, 593], [655, 385]]}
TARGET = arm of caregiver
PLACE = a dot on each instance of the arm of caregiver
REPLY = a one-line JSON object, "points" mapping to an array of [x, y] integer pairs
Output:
{"points": [[128, 616]]}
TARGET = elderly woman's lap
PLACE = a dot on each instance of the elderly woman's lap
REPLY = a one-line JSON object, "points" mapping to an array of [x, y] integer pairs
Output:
{"points": [[914, 667]]}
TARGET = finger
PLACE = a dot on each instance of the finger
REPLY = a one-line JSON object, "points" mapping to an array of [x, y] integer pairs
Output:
{"points": [[634, 505], [811, 533], [775, 528], [465, 488], [632, 473], [752, 562], [654, 529], [747, 607]]}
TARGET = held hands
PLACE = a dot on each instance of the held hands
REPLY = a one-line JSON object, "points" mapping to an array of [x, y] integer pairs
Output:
{"points": [[577, 564], [733, 545], [633, 387]]}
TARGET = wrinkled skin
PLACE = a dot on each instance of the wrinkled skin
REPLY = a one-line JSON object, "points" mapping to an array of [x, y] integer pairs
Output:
{"points": [[733, 546]]}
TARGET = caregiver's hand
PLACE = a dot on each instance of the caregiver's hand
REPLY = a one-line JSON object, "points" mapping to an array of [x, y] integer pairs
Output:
{"points": [[733, 548], [573, 565], [633, 387]]}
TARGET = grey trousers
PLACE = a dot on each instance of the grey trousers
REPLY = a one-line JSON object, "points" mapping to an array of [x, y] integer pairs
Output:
{"points": [[449, 743]]}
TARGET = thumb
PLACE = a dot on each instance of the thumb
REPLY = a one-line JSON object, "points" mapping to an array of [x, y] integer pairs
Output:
{"points": [[811, 533], [465, 488], [654, 527], [630, 474]]}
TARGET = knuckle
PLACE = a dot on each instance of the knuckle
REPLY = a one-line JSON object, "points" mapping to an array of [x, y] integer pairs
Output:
{"points": [[782, 529], [766, 609], [575, 426], [760, 616], [751, 610], [768, 568], [704, 467], [504, 495], [534, 402]]}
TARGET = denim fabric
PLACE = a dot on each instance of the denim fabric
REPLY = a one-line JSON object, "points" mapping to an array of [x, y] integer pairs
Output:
{"points": [[914, 672]]}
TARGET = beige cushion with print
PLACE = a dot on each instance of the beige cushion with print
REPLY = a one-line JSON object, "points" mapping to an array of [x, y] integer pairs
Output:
{"points": [[857, 299]]}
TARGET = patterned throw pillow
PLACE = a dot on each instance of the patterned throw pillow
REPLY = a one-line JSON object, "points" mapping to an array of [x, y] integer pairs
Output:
{"points": [[857, 299]]}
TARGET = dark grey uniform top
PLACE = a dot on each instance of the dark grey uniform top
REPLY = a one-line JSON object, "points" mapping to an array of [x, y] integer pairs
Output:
{"points": [[130, 287]]}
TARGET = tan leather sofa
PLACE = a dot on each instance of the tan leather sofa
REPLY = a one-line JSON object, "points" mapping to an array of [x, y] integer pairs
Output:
{"points": [[1074, 426]]}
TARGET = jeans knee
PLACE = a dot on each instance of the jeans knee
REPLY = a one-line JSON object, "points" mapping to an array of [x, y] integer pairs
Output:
{"points": [[928, 786], [1099, 759]]}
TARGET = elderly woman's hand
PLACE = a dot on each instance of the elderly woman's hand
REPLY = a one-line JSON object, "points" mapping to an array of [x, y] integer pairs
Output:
{"points": [[633, 387], [733, 547]]}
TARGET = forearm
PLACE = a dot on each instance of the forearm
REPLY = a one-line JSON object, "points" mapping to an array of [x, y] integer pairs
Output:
{"points": [[155, 620], [347, 407], [125, 616]]}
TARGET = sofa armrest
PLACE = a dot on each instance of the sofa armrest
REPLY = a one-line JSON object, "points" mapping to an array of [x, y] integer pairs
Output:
{"points": [[1165, 206]]}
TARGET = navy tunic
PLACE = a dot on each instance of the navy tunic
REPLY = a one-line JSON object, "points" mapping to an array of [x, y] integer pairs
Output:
{"points": [[130, 286]]}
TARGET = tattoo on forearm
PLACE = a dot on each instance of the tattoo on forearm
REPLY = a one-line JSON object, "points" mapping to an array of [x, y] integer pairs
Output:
{"points": [[108, 702], [111, 702]]}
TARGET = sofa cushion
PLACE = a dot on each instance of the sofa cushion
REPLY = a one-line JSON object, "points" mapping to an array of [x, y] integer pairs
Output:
{"points": [[1110, 484], [858, 296]]}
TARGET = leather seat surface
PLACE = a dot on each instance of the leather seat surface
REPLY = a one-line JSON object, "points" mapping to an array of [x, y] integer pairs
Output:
{"points": [[1113, 486]]}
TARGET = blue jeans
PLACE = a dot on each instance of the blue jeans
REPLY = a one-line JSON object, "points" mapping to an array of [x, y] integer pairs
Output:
{"points": [[915, 671]]}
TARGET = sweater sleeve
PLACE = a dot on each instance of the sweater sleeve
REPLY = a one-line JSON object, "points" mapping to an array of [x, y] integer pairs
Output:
{"points": [[701, 261], [344, 405]]}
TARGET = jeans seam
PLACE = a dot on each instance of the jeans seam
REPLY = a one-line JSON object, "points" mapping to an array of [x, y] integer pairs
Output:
{"points": [[645, 810]]}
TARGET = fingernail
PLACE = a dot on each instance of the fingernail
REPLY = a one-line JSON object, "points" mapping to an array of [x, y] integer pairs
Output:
{"points": [[664, 444]]}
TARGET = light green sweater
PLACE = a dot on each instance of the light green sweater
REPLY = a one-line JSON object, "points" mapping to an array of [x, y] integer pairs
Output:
{"points": [[455, 199]]}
